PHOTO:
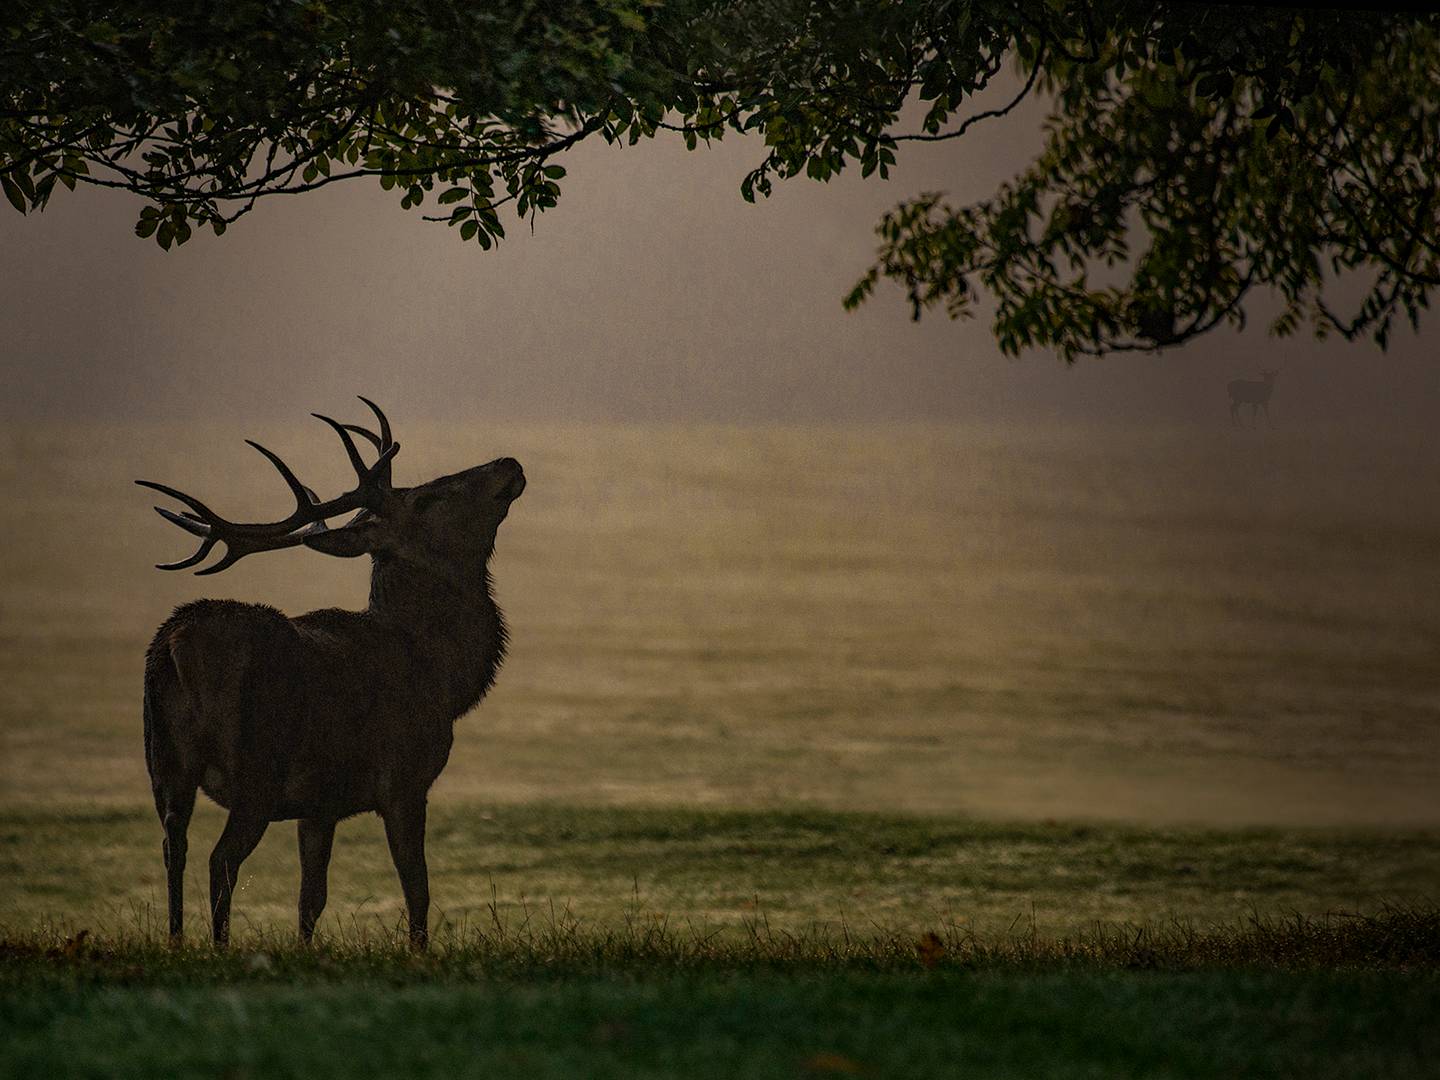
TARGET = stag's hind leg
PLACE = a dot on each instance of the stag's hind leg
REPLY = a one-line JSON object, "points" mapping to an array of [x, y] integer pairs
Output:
{"points": [[236, 842], [316, 840], [174, 777], [175, 808]]}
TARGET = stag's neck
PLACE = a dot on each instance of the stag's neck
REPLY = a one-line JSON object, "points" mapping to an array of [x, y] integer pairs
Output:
{"points": [[452, 624]]}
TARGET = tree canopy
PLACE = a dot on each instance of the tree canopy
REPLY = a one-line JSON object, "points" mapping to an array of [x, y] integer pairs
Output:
{"points": [[1193, 153]]}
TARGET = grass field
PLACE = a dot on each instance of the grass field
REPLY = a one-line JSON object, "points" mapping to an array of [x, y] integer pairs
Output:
{"points": [[626, 942], [101, 870]]}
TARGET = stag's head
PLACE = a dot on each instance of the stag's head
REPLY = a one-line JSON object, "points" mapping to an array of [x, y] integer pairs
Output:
{"points": [[446, 526]]}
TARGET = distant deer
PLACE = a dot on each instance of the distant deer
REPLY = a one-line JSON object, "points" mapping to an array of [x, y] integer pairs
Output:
{"points": [[1252, 392], [333, 713]]}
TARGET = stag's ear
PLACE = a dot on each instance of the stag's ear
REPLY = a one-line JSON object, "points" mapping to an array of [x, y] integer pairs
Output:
{"points": [[347, 542]]}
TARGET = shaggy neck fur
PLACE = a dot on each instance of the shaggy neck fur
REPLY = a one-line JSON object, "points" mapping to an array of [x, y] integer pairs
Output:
{"points": [[456, 625]]}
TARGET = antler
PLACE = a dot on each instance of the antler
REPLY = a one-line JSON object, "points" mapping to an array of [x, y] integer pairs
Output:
{"points": [[308, 517]]}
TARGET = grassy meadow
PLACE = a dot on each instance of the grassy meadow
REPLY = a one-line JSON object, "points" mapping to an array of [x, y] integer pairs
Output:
{"points": [[888, 751], [616, 942], [718, 870]]}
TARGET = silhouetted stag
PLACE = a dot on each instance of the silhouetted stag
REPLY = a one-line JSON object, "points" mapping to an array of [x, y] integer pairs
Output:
{"points": [[332, 713], [1252, 392]]}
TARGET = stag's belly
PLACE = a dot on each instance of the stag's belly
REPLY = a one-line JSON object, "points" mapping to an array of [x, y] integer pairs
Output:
{"points": [[328, 777]]}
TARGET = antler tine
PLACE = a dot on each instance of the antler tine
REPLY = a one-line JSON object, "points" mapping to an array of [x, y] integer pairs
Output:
{"points": [[356, 461], [304, 497], [381, 442], [377, 476], [184, 564], [204, 513], [232, 556], [192, 524], [379, 415], [367, 434], [189, 522]]}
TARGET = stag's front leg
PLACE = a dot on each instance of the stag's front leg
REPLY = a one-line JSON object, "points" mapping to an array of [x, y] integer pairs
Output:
{"points": [[236, 842], [405, 831], [316, 840]]}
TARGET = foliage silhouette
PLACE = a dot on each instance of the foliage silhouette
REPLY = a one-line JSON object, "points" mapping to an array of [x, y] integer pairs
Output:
{"points": [[1193, 152]]}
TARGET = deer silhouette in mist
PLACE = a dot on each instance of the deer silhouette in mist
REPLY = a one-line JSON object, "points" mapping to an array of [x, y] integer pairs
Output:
{"points": [[1253, 392], [333, 713]]}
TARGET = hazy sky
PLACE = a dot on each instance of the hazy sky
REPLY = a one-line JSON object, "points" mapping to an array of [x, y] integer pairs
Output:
{"points": [[652, 292]]}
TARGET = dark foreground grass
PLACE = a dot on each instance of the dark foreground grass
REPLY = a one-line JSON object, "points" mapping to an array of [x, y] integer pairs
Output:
{"points": [[552, 944], [547, 997], [943, 1023]]}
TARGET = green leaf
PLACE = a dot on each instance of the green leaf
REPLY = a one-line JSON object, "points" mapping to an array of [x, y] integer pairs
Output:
{"points": [[469, 229], [12, 192], [455, 194]]}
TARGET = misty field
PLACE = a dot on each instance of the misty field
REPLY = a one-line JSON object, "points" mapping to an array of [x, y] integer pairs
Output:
{"points": [[1185, 625], [1160, 707]]}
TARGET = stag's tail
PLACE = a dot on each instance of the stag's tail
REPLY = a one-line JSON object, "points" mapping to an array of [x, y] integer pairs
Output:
{"points": [[162, 701]]}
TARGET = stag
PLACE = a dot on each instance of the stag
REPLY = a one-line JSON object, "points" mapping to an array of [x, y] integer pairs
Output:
{"points": [[1252, 392], [333, 713]]}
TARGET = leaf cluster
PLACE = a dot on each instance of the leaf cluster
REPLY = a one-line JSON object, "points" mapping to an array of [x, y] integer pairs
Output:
{"points": [[1185, 166], [1193, 152]]}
